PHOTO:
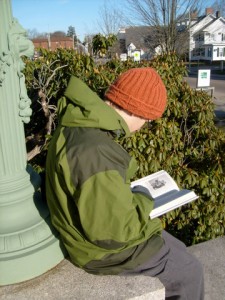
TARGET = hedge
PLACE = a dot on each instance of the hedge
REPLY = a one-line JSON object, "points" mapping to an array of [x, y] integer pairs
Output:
{"points": [[185, 142]]}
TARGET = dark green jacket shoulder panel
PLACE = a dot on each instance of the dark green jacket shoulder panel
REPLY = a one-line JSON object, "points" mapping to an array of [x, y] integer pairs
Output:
{"points": [[91, 151]]}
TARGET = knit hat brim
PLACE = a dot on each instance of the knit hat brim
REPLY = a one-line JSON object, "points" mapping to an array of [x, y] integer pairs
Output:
{"points": [[139, 91]]}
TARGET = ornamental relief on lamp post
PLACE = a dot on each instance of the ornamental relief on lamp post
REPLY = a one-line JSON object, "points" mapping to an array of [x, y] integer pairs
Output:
{"points": [[18, 46], [4, 63]]}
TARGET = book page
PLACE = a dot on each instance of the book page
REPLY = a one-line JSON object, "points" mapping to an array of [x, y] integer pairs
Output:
{"points": [[158, 183], [167, 202]]}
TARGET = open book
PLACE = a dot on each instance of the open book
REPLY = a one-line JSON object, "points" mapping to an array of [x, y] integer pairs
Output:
{"points": [[165, 192]]}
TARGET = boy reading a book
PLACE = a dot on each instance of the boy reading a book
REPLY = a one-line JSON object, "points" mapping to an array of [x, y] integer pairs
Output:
{"points": [[104, 225]]}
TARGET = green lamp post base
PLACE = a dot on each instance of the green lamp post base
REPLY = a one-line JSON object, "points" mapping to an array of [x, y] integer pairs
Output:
{"points": [[29, 245], [27, 264]]}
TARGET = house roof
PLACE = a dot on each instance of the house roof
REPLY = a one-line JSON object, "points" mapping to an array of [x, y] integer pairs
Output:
{"points": [[204, 27], [202, 21], [138, 35], [208, 25]]}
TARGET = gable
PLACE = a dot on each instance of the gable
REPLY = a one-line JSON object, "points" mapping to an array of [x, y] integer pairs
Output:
{"points": [[214, 27], [217, 25], [202, 23]]}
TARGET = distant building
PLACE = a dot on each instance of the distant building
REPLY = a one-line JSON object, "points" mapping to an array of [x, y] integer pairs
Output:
{"points": [[130, 49], [54, 42], [206, 36], [136, 38]]}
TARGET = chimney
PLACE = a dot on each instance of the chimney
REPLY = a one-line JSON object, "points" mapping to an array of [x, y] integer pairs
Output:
{"points": [[194, 15], [218, 14], [208, 11]]}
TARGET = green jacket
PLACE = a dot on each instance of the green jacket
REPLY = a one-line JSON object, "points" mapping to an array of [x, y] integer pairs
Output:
{"points": [[105, 227]]}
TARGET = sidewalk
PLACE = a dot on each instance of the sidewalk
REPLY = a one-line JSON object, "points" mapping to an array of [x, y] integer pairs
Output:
{"points": [[216, 72]]}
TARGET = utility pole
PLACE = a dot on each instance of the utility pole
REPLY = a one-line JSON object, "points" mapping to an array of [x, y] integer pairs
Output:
{"points": [[189, 44], [49, 40]]}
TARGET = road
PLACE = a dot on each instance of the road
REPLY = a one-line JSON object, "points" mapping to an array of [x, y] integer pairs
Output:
{"points": [[218, 82]]}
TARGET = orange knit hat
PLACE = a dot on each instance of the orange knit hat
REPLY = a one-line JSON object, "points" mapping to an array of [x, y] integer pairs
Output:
{"points": [[139, 91]]}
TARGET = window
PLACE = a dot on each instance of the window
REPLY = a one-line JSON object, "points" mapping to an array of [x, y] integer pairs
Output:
{"points": [[223, 51], [223, 37], [209, 52], [207, 36], [199, 37], [218, 52], [195, 52], [212, 36], [199, 52]]}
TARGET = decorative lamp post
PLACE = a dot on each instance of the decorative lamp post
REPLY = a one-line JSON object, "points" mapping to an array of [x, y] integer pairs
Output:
{"points": [[28, 245]]}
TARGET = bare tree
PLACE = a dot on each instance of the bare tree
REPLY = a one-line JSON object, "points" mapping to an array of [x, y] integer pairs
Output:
{"points": [[33, 33], [219, 5], [162, 15], [110, 18]]}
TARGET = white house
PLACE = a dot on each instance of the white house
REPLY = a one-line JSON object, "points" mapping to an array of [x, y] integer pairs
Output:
{"points": [[130, 49], [207, 38], [134, 52]]}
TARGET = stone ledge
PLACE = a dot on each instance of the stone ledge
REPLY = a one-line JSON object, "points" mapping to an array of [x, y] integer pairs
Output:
{"points": [[212, 256], [68, 282]]}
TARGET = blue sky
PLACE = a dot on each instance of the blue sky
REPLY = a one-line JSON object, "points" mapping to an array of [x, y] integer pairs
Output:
{"points": [[58, 15], [54, 15]]}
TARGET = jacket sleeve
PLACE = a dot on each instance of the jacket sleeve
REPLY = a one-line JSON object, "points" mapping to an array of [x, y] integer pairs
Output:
{"points": [[111, 215]]}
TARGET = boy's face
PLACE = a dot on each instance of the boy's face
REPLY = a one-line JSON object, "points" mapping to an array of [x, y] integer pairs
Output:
{"points": [[136, 123]]}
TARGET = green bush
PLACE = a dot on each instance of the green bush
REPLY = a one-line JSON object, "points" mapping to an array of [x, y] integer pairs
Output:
{"points": [[188, 145], [185, 142]]}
